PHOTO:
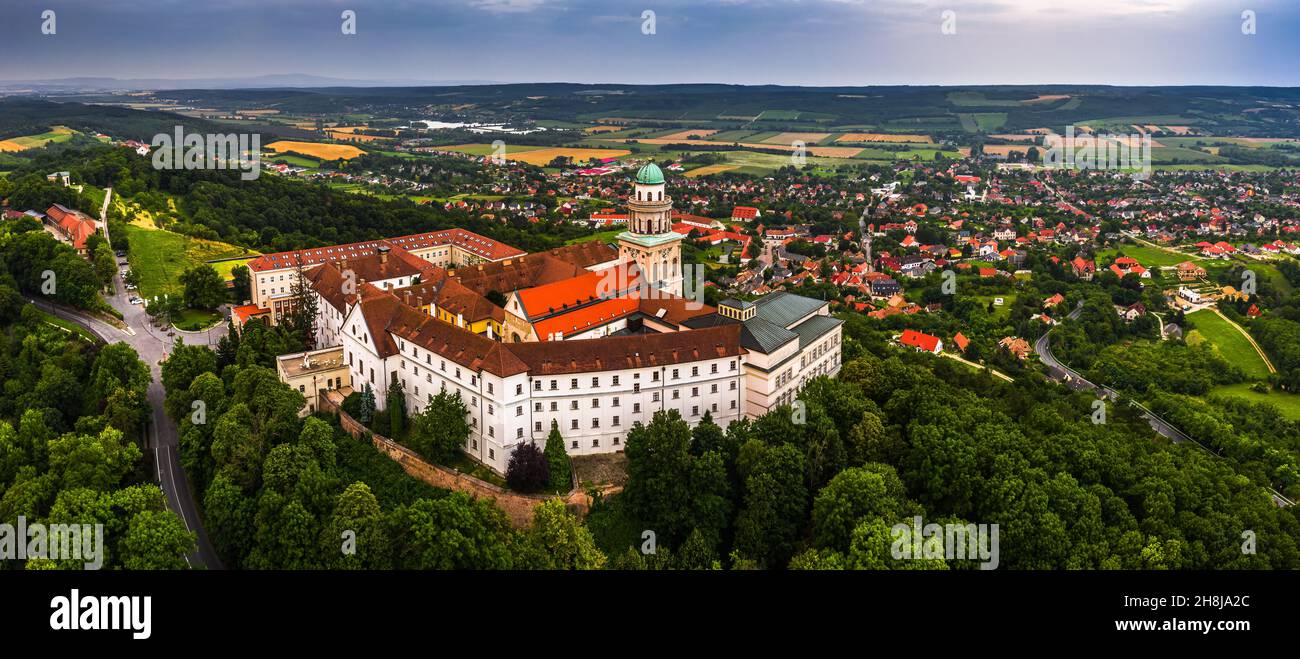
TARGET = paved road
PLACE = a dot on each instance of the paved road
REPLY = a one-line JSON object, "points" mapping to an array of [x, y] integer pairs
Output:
{"points": [[153, 345], [1062, 373]]}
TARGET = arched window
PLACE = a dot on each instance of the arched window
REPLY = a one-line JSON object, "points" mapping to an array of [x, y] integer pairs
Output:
{"points": [[514, 336]]}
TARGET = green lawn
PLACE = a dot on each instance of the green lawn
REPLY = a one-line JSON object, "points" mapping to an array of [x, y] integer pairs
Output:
{"points": [[999, 312], [223, 268], [1286, 403], [196, 320], [160, 257], [1149, 257], [1228, 341], [603, 236]]}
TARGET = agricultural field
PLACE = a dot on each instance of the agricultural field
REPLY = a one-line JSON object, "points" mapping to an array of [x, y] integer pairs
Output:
{"points": [[296, 161], [710, 169], [1007, 149], [488, 149], [977, 122], [317, 150], [57, 134], [779, 115], [542, 157], [683, 135], [885, 137], [160, 257], [791, 138], [1227, 341]]}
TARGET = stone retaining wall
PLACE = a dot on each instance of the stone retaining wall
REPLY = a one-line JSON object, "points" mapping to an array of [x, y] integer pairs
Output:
{"points": [[518, 507]]}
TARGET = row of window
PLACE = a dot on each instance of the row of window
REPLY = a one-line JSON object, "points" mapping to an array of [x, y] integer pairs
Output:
{"points": [[615, 380]]}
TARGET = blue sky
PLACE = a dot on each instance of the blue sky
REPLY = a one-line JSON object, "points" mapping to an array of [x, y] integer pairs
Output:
{"points": [[794, 42]]}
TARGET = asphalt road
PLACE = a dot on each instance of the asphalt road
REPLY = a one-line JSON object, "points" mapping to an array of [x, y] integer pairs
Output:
{"points": [[153, 345], [1062, 373]]}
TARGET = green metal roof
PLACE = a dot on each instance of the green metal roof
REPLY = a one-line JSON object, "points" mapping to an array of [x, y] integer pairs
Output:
{"points": [[785, 308], [814, 328], [650, 175]]}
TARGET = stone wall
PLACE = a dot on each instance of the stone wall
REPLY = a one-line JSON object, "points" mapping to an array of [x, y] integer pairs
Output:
{"points": [[518, 507]]}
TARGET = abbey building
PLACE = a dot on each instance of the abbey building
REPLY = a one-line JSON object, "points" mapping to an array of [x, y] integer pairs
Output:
{"points": [[592, 337]]}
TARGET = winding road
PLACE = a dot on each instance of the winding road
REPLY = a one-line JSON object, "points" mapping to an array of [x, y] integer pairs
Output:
{"points": [[153, 344], [1071, 378]]}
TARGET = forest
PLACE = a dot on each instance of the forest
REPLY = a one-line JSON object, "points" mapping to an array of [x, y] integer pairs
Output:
{"points": [[71, 446]]}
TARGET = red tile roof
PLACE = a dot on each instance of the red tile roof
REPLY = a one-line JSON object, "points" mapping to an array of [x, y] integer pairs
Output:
{"points": [[918, 340], [473, 243]]}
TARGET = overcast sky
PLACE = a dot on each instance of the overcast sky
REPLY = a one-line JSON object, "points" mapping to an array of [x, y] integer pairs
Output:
{"points": [[795, 42]]}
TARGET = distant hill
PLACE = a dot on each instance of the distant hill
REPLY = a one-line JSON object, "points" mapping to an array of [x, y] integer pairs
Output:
{"points": [[289, 80]]}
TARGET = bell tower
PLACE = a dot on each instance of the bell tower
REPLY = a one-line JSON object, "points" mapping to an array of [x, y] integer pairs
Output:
{"points": [[650, 241]]}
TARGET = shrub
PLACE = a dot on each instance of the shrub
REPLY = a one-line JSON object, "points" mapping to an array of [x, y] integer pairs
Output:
{"points": [[528, 470]]}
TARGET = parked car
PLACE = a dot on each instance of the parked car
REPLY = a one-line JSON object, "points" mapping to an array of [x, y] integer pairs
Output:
{"points": [[136, 300]]}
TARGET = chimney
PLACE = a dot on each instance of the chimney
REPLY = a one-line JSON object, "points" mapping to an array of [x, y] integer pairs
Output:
{"points": [[383, 254]]}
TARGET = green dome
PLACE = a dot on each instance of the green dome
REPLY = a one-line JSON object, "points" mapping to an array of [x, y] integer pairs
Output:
{"points": [[650, 175]]}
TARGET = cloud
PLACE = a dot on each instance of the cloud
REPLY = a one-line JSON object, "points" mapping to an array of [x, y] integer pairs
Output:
{"points": [[507, 6]]}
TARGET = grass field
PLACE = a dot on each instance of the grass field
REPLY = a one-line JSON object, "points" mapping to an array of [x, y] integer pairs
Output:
{"points": [[296, 161], [974, 122], [317, 150], [1150, 257], [999, 312], [603, 236], [779, 115], [1228, 341], [1286, 403], [160, 257], [57, 134], [223, 268]]}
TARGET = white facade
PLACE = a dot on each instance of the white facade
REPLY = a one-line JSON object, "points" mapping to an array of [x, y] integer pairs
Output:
{"points": [[594, 409]]}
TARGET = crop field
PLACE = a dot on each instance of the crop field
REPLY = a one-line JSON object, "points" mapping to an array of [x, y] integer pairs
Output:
{"points": [[1177, 154], [884, 137], [1007, 149], [317, 150], [57, 134], [543, 156], [732, 136], [1015, 137], [821, 151], [974, 122], [710, 169], [698, 133], [791, 138], [1227, 341]]}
